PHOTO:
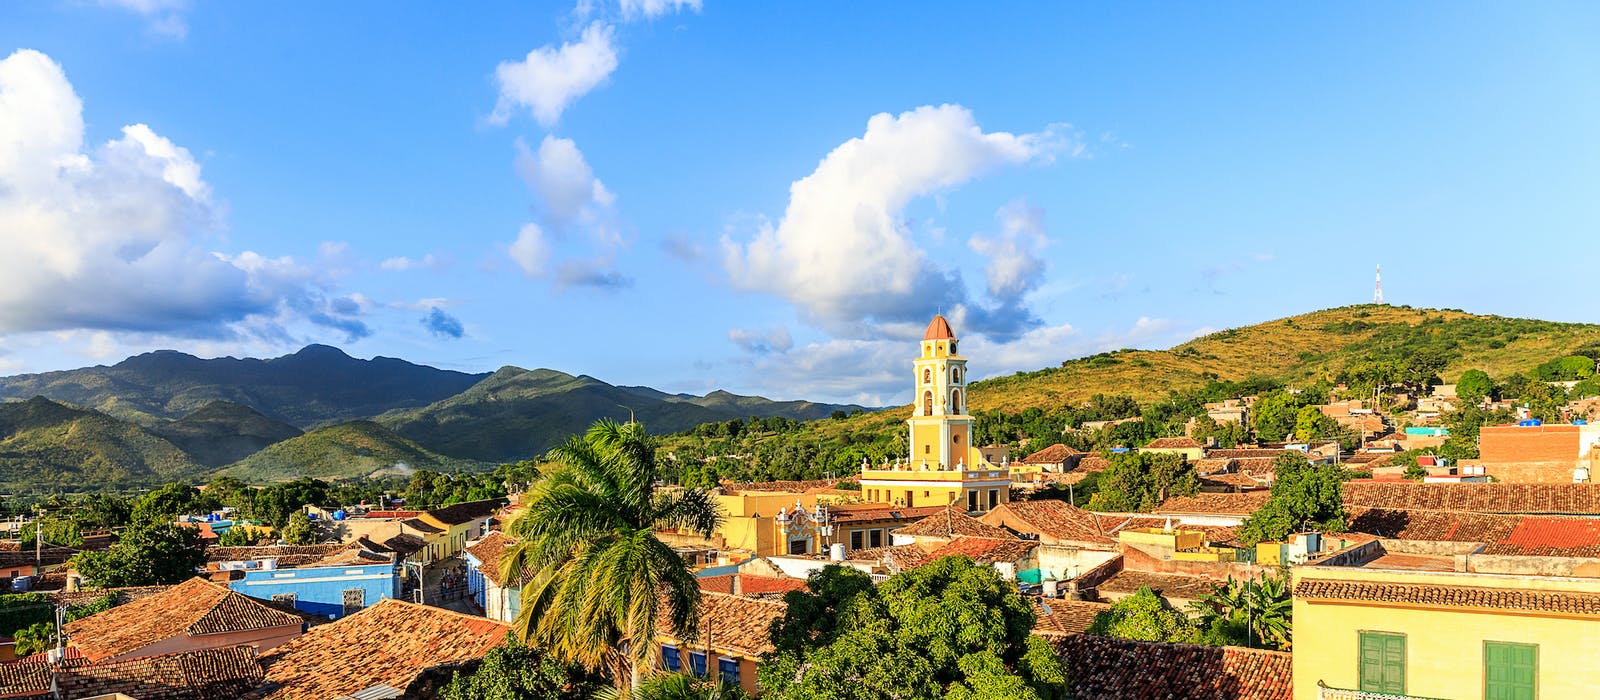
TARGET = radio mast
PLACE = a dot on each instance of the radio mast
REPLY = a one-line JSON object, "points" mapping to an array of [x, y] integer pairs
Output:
{"points": [[1377, 289]]}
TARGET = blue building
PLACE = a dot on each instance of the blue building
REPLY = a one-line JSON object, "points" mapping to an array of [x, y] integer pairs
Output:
{"points": [[338, 583]]}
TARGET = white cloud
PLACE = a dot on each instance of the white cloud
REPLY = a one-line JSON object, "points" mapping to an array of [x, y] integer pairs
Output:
{"points": [[843, 253], [1016, 265], [403, 263], [549, 79], [651, 9], [114, 238], [762, 342], [564, 183], [165, 17], [531, 251]]}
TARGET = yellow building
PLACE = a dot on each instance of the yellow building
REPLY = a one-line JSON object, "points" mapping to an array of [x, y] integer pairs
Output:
{"points": [[1445, 620], [944, 467]]}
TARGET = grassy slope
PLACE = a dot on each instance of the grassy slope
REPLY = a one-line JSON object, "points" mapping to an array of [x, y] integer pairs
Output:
{"points": [[46, 444], [346, 450], [223, 432], [1299, 349]]}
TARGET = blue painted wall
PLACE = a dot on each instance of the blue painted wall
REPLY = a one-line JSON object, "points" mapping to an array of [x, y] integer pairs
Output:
{"points": [[319, 590]]}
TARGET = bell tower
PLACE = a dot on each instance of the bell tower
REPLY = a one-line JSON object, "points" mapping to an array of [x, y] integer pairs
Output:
{"points": [[940, 429]]}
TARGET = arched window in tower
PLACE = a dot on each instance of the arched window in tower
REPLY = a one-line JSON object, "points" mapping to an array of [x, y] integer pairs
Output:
{"points": [[927, 375], [955, 401], [952, 347], [955, 375], [927, 403]]}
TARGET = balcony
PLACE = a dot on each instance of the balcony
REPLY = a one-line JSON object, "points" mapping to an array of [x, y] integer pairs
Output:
{"points": [[1326, 693]]}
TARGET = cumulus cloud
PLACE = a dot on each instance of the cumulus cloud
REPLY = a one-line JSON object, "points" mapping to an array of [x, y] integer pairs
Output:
{"points": [[113, 237], [597, 273], [531, 251], [403, 263], [843, 253], [1016, 265], [572, 202], [443, 324], [651, 9], [762, 342], [550, 78]]}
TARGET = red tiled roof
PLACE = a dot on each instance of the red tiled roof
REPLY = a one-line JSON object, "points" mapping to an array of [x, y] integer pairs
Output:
{"points": [[1165, 585], [1173, 443], [1247, 452], [208, 674], [884, 513], [1231, 481], [729, 487], [1103, 668], [1094, 463], [1565, 499], [1054, 454], [421, 526], [1215, 534], [1551, 537], [985, 550], [1519, 535], [949, 523], [489, 550], [1057, 519], [390, 643], [392, 514], [461, 513], [731, 624], [896, 558], [194, 607], [938, 329], [1212, 466], [284, 555], [749, 584], [1587, 604], [1215, 503], [1055, 617]]}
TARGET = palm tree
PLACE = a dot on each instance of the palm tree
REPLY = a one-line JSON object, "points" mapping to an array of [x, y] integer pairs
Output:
{"points": [[674, 686], [598, 578]]}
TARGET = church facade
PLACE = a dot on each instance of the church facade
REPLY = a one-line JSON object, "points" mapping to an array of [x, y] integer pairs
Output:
{"points": [[944, 467]]}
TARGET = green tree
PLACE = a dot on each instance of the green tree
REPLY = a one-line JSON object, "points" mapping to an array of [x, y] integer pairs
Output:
{"points": [[1474, 386], [299, 530], [674, 686], [1415, 473], [515, 671], [242, 536], [1138, 482], [1310, 423], [171, 501], [1252, 613], [1274, 415], [950, 629], [103, 511], [601, 578], [1566, 369], [58, 531], [1303, 496], [148, 554], [1145, 616]]}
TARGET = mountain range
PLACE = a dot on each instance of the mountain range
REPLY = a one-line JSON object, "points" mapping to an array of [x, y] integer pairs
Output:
{"points": [[167, 415]]}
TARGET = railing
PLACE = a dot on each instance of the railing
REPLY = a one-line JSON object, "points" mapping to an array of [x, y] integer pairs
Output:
{"points": [[1326, 693]]}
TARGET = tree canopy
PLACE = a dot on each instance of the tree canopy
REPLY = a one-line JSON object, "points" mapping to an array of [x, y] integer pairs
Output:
{"points": [[950, 629], [148, 554], [1138, 482], [1303, 496]]}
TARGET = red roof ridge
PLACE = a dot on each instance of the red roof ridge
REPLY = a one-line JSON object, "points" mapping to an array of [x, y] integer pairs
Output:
{"points": [[938, 329]]}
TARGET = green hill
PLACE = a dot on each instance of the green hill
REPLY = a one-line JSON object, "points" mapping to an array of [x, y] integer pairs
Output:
{"points": [[347, 450], [317, 385], [223, 432], [1295, 352], [50, 446], [516, 413]]}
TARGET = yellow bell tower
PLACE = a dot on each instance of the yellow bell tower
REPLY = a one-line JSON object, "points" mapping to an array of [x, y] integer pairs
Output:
{"points": [[941, 430], [944, 467]]}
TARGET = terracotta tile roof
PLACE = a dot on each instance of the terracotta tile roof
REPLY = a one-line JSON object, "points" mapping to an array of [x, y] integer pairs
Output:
{"points": [[423, 527], [938, 329], [388, 514], [489, 550], [1165, 585], [886, 513], [949, 522], [1260, 466], [1565, 499], [1432, 595], [1173, 443], [749, 584], [1066, 478], [1504, 534], [1093, 463], [729, 487], [1247, 452], [285, 555], [194, 607], [391, 642], [897, 558], [228, 672], [716, 584], [466, 512], [1057, 519], [1054, 454], [1215, 534], [731, 624], [1103, 668], [1052, 617], [985, 550], [1550, 536], [1230, 481], [1212, 466], [1215, 503]]}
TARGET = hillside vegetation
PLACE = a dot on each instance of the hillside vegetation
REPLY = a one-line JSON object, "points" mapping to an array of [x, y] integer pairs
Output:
{"points": [[48, 445], [344, 451], [223, 432], [1316, 348]]}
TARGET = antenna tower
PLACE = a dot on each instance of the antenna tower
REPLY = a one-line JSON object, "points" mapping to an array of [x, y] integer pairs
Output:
{"points": [[1377, 289]]}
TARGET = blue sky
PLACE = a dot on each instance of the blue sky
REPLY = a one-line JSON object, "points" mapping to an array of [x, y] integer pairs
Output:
{"points": [[769, 198]]}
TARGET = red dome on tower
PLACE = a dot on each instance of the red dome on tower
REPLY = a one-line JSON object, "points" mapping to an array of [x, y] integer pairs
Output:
{"points": [[939, 329]]}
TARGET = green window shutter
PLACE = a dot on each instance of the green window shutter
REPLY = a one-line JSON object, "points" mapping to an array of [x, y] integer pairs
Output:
{"points": [[1383, 662], [1510, 671]]}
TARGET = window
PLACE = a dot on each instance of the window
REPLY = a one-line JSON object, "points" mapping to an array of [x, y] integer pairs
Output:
{"points": [[1510, 671], [994, 498], [972, 500], [927, 403], [955, 375], [924, 494], [1383, 662], [875, 538], [697, 663], [728, 670], [927, 449], [955, 401], [286, 598], [799, 546], [927, 375], [354, 600], [857, 538], [670, 658]]}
